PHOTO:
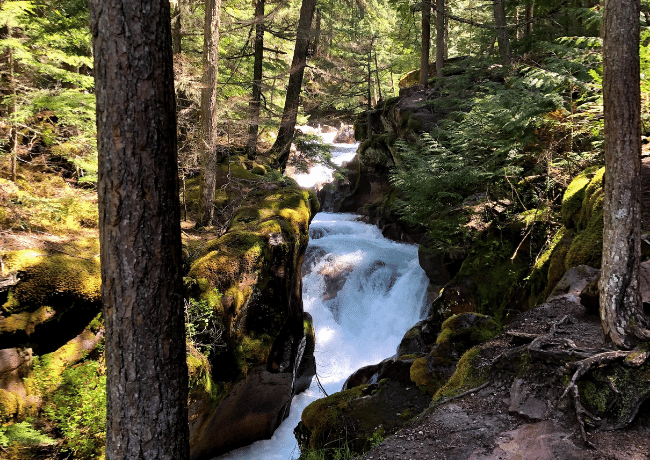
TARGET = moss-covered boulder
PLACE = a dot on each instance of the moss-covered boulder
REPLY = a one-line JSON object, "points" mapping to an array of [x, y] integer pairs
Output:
{"points": [[56, 295], [251, 276], [381, 398], [579, 241], [360, 416]]}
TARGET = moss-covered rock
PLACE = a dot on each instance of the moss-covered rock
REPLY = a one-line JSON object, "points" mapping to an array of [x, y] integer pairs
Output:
{"points": [[353, 418], [57, 296], [574, 197], [458, 334], [467, 376], [251, 276]]}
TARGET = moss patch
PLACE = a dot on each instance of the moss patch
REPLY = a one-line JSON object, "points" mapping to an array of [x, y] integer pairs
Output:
{"points": [[467, 376], [574, 196], [321, 416]]}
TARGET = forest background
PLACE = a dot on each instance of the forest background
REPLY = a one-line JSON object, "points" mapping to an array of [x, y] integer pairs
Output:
{"points": [[535, 98]]}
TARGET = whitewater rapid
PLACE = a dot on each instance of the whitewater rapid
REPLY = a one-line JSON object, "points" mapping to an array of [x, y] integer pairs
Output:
{"points": [[363, 292]]}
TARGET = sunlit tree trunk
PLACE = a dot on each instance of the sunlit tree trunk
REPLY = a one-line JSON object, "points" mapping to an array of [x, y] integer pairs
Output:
{"points": [[256, 101], [13, 134], [440, 36], [209, 112], [620, 297], [502, 32], [139, 231], [282, 146], [426, 43]]}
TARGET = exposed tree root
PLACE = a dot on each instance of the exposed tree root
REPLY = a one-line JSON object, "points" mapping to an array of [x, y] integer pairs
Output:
{"points": [[563, 350]]}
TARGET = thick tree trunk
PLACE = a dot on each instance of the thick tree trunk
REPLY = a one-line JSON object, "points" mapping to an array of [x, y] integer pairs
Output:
{"points": [[140, 235], [502, 32], [209, 112], [620, 298], [440, 37], [426, 43], [282, 146], [255, 104]]}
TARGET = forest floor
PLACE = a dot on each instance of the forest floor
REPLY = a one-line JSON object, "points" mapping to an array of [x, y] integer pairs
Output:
{"points": [[525, 416]]}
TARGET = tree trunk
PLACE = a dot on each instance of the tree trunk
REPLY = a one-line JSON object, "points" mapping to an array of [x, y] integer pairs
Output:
{"points": [[369, 94], [282, 146], [502, 32], [440, 36], [426, 43], [177, 34], [530, 8], [620, 298], [317, 32], [255, 104], [140, 235], [209, 112], [377, 76], [13, 133]]}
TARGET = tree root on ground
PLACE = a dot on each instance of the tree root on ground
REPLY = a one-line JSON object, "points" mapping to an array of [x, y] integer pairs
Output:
{"points": [[563, 350]]}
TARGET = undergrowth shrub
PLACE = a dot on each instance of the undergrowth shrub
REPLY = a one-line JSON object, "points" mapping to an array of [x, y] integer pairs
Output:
{"points": [[76, 404]]}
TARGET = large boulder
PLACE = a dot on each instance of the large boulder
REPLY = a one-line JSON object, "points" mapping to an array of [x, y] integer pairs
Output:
{"points": [[251, 276]]}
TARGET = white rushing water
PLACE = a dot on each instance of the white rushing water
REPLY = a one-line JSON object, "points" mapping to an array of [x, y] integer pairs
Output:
{"points": [[320, 174], [381, 296], [363, 292]]}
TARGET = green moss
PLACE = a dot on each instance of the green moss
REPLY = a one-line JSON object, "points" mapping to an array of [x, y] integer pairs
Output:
{"points": [[47, 275], [538, 280], [258, 169], [256, 349], [201, 385], [593, 396], [472, 328], [593, 200], [587, 247], [467, 376], [9, 406], [494, 274], [425, 380], [556, 263], [574, 196], [321, 416], [413, 333]]}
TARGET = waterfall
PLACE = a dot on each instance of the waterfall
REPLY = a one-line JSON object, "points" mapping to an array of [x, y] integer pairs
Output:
{"points": [[363, 291]]}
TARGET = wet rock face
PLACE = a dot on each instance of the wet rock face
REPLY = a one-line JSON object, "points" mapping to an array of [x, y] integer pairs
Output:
{"points": [[252, 411]]}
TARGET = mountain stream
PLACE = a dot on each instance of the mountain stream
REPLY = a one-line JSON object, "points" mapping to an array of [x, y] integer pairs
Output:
{"points": [[363, 292]]}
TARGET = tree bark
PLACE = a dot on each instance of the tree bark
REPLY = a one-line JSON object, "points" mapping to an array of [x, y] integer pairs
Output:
{"points": [[502, 32], [177, 33], [13, 133], [317, 32], [139, 222], [377, 76], [440, 36], [209, 112], [255, 104], [282, 145], [426, 43], [620, 298], [530, 8]]}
